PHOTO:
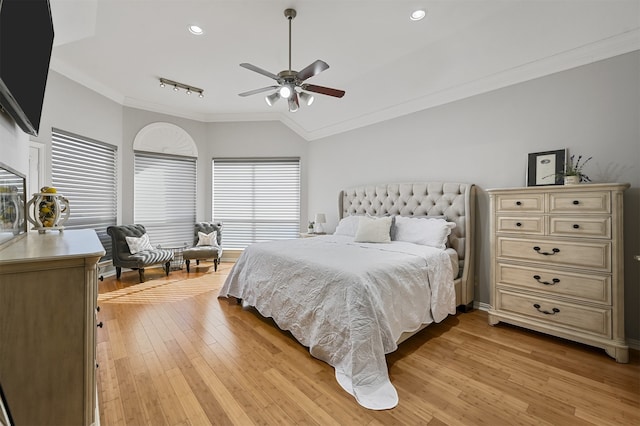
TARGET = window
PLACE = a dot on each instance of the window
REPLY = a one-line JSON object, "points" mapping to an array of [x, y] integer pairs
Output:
{"points": [[165, 197], [256, 199], [84, 171]]}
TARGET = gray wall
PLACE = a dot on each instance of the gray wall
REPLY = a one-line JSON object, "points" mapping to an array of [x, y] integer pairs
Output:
{"points": [[591, 110]]}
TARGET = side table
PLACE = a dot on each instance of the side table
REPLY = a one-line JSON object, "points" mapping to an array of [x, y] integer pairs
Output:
{"points": [[178, 260], [311, 234]]}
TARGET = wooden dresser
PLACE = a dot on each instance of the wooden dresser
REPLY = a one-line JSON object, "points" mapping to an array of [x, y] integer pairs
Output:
{"points": [[557, 262], [48, 293]]}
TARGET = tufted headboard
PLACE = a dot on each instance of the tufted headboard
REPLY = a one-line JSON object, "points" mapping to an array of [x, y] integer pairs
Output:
{"points": [[454, 201]]}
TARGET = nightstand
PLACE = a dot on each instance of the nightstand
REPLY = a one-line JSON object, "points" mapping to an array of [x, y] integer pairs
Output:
{"points": [[311, 234]]}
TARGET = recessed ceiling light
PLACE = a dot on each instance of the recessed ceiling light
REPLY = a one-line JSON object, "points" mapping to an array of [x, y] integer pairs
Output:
{"points": [[417, 15], [194, 29]]}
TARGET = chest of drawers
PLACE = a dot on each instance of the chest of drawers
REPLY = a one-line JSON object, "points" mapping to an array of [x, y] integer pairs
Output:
{"points": [[557, 262]]}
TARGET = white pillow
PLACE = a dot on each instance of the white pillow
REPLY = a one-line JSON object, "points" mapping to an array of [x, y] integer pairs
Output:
{"points": [[210, 239], [348, 226], [138, 244], [423, 231], [373, 230]]}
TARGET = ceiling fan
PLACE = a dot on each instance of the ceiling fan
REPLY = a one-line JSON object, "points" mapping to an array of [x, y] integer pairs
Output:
{"points": [[291, 84]]}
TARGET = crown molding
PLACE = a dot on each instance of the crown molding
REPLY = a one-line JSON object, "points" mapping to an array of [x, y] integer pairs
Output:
{"points": [[626, 42]]}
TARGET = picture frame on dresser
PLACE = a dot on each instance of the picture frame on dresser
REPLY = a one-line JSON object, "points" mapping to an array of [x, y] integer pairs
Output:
{"points": [[546, 168]]}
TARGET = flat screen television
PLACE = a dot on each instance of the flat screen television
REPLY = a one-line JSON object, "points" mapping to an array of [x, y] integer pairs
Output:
{"points": [[26, 40]]}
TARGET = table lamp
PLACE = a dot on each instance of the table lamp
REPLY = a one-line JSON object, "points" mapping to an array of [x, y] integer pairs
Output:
{"points": [[320, 219]]}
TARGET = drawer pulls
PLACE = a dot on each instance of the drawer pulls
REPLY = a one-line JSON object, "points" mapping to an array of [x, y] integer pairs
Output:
{"points": [[576, 202], [518, 203], [554, 310], [576, 226], [554, 250], [553, 281], [518, 224]]}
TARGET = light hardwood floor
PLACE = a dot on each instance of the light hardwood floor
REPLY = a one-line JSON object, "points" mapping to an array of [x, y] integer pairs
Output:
{"points": [[171, 353]]}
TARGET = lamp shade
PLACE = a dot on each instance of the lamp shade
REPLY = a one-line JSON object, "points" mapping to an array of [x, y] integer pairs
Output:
{"points": [[271, 99], [320, 219]]}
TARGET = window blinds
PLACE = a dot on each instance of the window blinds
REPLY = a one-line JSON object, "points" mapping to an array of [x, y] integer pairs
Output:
{"points": [[256, 199], [84, 171], [165, 197]]}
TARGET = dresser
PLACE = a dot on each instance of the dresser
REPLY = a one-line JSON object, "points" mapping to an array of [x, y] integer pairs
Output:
{"points": [[48, 293], [557, 262]]}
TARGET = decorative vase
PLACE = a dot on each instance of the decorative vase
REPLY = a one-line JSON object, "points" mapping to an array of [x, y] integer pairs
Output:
{"points": [[48, 211], [571, 180]]}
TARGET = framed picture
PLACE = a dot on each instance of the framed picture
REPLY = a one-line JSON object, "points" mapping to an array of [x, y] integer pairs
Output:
{"points": [[546, 168]]}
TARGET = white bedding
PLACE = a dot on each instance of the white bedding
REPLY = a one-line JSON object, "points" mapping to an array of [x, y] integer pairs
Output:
{"points": [[347, 302]]}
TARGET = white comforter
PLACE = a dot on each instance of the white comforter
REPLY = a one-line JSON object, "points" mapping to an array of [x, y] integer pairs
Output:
{"points": [[348, 302]]}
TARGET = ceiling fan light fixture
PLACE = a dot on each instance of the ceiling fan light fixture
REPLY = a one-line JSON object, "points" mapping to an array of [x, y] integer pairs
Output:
{"points": [[293, 105], [307, 98], [285, 92], [272, 98]]}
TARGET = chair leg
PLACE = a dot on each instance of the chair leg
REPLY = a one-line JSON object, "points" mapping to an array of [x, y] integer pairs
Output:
{"points": [[167, 268], [141, 274], [215, 265], [187, 262], [118, 272], [197, 261]]}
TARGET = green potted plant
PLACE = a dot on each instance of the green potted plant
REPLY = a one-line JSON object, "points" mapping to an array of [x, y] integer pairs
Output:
{"points": [[573, 173]]}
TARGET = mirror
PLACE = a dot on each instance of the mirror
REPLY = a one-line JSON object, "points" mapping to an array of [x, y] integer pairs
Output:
{"points": [[13, 188]]}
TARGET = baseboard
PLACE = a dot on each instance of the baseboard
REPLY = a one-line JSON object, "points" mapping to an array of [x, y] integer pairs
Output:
{"points": [[481, 306]]}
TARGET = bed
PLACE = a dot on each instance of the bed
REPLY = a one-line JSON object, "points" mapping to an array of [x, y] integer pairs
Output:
{"points": [[353, 296]]}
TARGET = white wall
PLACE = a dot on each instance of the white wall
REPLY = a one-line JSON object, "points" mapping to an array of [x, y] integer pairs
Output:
{"points": [[74, 108], [592, 110]]}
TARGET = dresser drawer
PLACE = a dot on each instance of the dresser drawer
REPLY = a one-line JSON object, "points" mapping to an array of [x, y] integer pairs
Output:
{"points": [[593, 288], [520, 203], [527, 225], [584, 202], [586, 318], [589, 227], [592, 255]]}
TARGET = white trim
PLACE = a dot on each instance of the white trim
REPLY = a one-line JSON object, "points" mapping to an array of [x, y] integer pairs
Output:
{"points": [[165, 138], [602, 49], [41, 153]]}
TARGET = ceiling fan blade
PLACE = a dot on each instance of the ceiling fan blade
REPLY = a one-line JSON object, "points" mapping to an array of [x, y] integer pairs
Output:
{"points": [[312, 69], [323, 90], [253, 92], [259, 70]]}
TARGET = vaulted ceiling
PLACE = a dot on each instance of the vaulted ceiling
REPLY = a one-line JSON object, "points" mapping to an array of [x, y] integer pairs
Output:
{"points": [[387, 64]]}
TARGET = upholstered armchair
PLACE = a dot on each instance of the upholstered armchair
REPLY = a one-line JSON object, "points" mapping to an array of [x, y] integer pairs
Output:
{"points": [[148, 255], [207, 246]]}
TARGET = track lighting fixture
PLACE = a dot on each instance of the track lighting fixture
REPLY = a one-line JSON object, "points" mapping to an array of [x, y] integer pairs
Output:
{"points": [[177, 86]]}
